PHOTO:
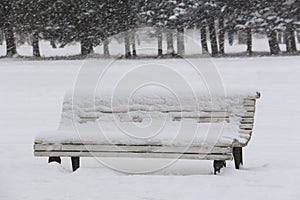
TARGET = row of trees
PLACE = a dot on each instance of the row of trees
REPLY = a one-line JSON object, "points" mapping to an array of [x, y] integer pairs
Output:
{"points": [[92, 22]]}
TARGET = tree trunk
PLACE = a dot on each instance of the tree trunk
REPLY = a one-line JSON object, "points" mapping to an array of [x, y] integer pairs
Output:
{"points": [[86, 47], [1, 37], [288, 42], [213, 37], [180, 42], [52, 43], [11, 48], [159, 44], [170, 45], [133, 44], [203, 37], [249, 41], [293, 41], [298, 36], [35, 45], [221, 35], [280, 38], [106, 48], [242, 38], [273, 43], [127, 45]]}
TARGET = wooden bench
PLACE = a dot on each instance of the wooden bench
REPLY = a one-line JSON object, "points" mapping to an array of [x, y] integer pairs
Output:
{"points": [[70, 140]]}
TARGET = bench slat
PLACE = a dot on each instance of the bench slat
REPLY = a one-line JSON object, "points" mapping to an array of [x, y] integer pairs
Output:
{"points": [[127, 148], [248, 114], [247, 120], [245, 131], [246, 126], [134, 155], [249, 102], [250, 108], [204, 119]]}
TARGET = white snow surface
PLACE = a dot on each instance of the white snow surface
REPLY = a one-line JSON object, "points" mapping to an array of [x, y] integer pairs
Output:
{"points": [[31, 102]]}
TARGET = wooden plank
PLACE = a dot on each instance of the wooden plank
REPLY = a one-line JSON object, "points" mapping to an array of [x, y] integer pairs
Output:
{"points": [[245, 131], [250, 108], [248, 102], [246, 136], [93, 113], [213, 117], [247, 120], [204, 119], [135, 155], [88, 119], [204, 114], [36, 142], [123, 148], [48, 147], [246, 126], [248, 114]]}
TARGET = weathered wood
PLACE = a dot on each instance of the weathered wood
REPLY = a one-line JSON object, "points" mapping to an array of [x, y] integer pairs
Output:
{"points": [[200, 117], [204, 119], [247, 120], [134, 155], [88, 119], [250, 108], [173, 110], [127, 148], [248, 114], [248, 132], [249, 102], [246, 126]]}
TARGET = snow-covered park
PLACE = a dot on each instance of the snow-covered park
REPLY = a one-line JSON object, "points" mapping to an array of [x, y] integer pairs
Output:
{"points": [[31, 95], [149, 100]]}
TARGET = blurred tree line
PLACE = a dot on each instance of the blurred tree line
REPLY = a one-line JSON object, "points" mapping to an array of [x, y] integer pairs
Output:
{"points": [[92, 22]]}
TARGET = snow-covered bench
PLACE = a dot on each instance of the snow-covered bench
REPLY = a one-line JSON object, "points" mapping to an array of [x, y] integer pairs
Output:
{"points": [[152, 126]]}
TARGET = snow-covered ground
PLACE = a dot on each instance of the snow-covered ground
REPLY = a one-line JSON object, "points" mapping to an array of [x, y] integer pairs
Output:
{"points": [[31, 95]]}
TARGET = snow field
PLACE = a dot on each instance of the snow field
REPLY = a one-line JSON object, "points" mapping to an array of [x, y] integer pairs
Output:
{"points": [[31, 95]]}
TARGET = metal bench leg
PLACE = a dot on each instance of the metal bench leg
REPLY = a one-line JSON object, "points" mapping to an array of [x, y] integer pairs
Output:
{"points": [[54, 159], [218, 165], [75, 163], [238, 156]]}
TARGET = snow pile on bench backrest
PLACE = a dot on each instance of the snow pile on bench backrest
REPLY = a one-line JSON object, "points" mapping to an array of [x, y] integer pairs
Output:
{"points": [[154, 106], [80, 106]]}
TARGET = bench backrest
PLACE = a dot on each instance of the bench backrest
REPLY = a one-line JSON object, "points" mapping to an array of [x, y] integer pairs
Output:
{"points": [[238, 110]]}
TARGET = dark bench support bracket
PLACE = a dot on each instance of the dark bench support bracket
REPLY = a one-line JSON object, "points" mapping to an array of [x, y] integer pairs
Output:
{"points": [[75, 163], [238, 156], [218, 165], [54, 159]]}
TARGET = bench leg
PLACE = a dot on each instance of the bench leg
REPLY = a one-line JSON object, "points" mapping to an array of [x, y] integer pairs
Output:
{"points": [[75, 163], [54, 159], [218, 165], [237, 156]]}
